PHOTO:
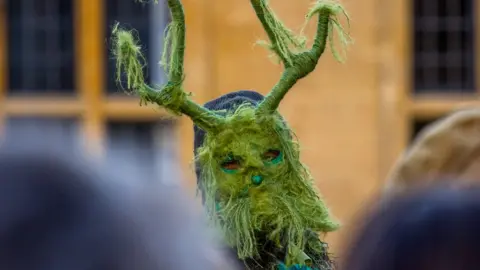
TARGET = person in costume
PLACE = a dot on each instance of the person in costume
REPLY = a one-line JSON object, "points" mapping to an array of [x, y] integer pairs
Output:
{"points": [[254, 187], [446, 151]]}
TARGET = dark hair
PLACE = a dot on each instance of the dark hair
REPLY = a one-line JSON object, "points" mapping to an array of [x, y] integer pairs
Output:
{"points": [[436, 229], [55, 215], [52, 217]]}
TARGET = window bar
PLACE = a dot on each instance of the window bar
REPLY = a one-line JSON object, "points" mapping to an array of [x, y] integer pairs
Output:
{"points": [[159, 16], [28, 20], [476, 12], [430, 59], [52, 42], [89, 37], [454, 74], [3, 65]]}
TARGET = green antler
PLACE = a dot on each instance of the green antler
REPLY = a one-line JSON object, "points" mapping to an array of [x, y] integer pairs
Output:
{"points": [[130, 61], [298, 61]]}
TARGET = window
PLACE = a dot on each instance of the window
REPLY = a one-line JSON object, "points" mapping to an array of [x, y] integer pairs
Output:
{"points": [[443, 46], [40, 46], [148, 146], [57, 133], [55, 89], [149, 20], [419, 125]]}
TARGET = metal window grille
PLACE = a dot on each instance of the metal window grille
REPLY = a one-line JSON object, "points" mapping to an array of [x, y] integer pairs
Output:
{"points": [[149, 20], [57, 133], [147, 147], [418, 125], [444, 46], [40, 46]]}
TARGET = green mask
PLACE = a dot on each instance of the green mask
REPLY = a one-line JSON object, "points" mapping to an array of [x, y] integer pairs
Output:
{"points": [[253, 179]]}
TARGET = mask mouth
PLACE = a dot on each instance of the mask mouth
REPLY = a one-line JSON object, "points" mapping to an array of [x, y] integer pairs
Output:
{"points": [[248, 191]]}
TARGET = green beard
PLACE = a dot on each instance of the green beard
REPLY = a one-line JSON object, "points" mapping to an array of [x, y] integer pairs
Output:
{"points": [[281, 217]]}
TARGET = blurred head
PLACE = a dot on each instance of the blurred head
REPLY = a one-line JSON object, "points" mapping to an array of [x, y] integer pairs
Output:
{"points": [[447, 149], [435, 229], [56, 213]]}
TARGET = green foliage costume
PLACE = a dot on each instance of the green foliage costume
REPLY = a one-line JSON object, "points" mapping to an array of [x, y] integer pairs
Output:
{"points": [[255, 189]]}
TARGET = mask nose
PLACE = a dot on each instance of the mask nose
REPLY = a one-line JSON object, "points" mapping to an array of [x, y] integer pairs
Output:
{"points": [[257, 179], [254, 162]]}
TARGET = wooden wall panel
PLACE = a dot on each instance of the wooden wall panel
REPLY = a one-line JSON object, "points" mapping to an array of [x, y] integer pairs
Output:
{"points": [[333, 111], [198, 61], [89, 21], [394, 78]]}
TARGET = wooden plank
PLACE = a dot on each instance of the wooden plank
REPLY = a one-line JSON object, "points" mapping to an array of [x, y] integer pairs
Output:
{"points": [[90, 58], [129, 108], [436, 106], [45, 106], [394, 22]]}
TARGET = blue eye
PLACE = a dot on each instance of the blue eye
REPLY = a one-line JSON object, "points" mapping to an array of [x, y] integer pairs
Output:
{"points": [[273, 157]]}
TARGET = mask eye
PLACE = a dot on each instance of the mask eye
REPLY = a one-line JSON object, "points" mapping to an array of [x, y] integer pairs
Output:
{"points": [[273, 156], [230, 165]]}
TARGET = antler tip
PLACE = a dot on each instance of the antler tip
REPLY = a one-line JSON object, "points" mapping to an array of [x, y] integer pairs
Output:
{"points": [[124, 42], [332, 9], [129, 58]]}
